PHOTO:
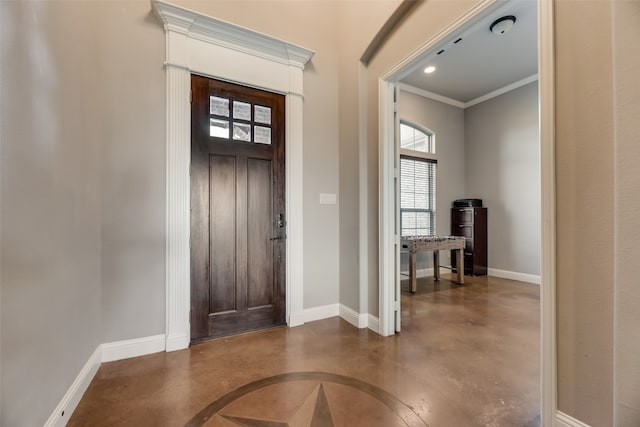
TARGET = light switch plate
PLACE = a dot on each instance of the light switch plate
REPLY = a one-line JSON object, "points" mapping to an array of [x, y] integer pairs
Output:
{"points": [[327, 198]]}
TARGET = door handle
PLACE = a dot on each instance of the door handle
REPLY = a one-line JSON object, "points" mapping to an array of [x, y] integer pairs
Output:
{"points": [[278, 238]]}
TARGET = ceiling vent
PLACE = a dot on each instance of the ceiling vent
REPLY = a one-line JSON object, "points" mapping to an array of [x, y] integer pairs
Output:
{"points": [[502, 25]]}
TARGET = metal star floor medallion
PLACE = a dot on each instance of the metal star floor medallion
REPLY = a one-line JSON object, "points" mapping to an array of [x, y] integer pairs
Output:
{"points": [[315, 399]]}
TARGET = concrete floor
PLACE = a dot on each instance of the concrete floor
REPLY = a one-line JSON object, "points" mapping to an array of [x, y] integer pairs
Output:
{"points": [[467, 356]]}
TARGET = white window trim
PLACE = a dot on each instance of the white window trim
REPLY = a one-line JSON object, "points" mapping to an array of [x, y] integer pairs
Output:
{"points": [[199, 44], [418, 154], [431, 134]]}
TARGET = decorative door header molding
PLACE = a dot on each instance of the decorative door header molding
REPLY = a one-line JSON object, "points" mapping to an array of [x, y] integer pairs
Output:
{"points": [[215, 31], [200, 44]]}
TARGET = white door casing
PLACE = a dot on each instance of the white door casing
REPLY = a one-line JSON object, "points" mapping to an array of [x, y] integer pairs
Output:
{"points": [[199, 44]]}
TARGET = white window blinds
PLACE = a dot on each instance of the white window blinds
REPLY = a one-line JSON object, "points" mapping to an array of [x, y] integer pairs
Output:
{"points": [[417, 196]]}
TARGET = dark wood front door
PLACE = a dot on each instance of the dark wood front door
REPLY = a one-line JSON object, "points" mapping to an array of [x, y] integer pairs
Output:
{"points": [[237, 209]]}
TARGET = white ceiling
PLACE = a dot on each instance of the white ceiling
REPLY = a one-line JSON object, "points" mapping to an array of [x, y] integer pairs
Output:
{"points": [[482, 62]]}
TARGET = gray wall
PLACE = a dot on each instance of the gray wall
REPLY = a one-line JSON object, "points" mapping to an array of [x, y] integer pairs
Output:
{"points": [[132, 154], [83, 177], [51, 135], [448, 125], [489, 151], [502, 145]]}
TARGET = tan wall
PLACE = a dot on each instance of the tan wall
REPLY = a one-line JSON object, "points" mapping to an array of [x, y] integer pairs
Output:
{"points": [[354, 39], [311, 25], [422, 23], [588, 273], [585, 210], [626, 57], [331, 233]]}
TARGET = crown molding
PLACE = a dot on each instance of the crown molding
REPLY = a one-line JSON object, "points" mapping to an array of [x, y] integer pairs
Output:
{"points": [[478, 100], [508, 88], [426, 94], [216, 31]]}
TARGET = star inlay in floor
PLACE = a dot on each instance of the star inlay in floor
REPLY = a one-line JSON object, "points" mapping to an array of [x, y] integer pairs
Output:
{"points": [[316, 399], [467, 356]]}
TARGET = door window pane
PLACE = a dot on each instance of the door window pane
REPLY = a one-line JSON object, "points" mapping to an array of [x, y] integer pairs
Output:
{"points": [[262, 114], [219, 106], [241, 110], [262, 135], [219, 128], [242, 132]]}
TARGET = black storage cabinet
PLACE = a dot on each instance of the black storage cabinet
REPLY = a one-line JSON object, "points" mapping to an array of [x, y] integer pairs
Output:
{"points": [[471, 222]]}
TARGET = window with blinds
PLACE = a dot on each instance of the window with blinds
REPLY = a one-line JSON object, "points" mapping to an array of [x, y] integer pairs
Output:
{"points": [[414, 139], [417, 181], [417, 196]]}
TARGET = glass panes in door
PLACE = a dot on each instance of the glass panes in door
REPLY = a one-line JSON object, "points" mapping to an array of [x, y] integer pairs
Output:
{"points": [[239, 121]]}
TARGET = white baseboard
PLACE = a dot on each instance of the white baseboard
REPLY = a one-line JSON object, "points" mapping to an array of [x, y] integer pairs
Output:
{"points": [[374, 323], [314, 313], [72, 397], [359, 320], [104, 353], [564, 420], [179, 341], [424, 272], [512, 275], [132, 348], [419, 273], [356, 319], [295, 319], [427, 272], [119, 350]]}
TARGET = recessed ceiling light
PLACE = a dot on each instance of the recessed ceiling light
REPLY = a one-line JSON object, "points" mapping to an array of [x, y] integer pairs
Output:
{"points": [[430, 69]]}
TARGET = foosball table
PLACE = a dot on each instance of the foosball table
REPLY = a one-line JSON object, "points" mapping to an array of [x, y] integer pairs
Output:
{"points": [[415, 244]]}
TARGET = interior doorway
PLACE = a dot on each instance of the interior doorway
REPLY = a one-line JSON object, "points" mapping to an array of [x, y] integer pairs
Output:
{"points": [[388, 151], [476, 90]]}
